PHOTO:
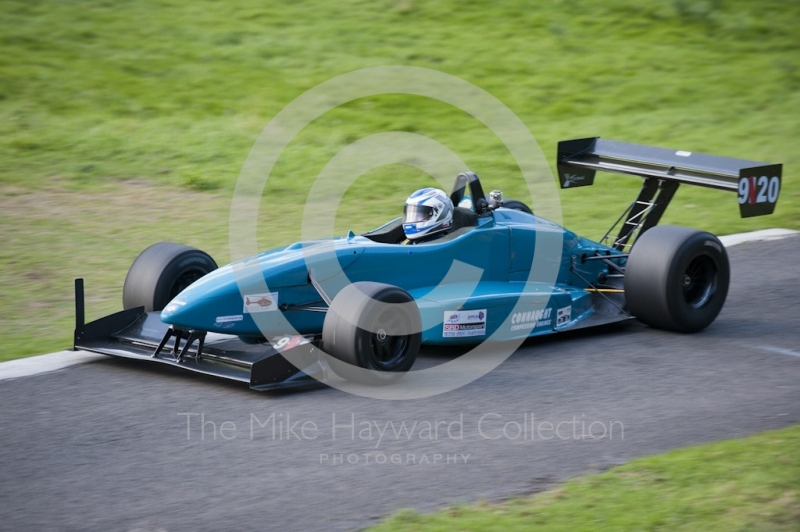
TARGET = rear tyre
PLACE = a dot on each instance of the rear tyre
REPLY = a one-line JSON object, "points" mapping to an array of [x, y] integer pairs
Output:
{"points": [[161, 272], [677, 278], [373, 326], [517, 206]]}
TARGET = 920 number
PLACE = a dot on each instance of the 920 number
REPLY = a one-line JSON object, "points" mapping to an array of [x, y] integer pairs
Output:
{"points": [[763, 189]]}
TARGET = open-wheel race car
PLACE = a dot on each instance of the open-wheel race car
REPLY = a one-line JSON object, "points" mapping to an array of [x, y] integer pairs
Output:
{"points": [[383, 297]]}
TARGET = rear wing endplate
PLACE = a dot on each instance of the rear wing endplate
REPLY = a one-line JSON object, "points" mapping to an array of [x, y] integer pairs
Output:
{"points": [[756, 184]]}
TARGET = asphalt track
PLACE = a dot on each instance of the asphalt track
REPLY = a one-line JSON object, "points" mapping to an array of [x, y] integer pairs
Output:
{"points": [[105, 446]]}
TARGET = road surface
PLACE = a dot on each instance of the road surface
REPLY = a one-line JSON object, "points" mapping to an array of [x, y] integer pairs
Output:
{"points": [[119, 445]]}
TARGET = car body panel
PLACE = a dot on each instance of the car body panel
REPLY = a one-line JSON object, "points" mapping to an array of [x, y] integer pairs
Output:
{"points": [[484, 268]]}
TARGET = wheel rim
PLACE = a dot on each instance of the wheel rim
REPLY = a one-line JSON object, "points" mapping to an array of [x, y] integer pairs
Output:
{"points": [[388, 350], [183, 282], [699, 281]]}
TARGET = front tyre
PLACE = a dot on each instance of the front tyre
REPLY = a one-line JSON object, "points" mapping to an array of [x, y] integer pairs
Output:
{"points": [[161, 272], [373, 326], [677, 278]]}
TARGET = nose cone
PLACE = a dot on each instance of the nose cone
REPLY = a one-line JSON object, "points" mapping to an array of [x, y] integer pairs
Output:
{"points": [[244, 298], [213, 303], [235, 302], [193, 314]]}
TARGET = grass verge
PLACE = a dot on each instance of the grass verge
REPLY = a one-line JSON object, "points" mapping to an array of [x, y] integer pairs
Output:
{"points": [[123, 124], [736, 485]]}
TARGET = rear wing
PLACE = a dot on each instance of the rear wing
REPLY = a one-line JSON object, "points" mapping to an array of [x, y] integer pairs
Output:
{"points": [[756, 184]]}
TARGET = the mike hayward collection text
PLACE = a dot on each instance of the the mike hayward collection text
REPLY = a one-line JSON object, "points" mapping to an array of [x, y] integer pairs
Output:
{"points": [[340, 427]]}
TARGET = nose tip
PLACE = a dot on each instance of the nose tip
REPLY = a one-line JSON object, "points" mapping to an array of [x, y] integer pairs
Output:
{"points": [[173, 311]]}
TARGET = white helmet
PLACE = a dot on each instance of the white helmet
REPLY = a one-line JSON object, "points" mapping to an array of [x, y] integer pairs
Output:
{"points": [[427, 211]]}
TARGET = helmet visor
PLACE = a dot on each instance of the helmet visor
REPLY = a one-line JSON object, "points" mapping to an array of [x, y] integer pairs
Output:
{"points": [[416, 213]]}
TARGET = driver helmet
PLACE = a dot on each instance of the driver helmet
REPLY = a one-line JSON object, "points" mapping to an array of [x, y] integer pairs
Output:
{"points": [[427, 211]]}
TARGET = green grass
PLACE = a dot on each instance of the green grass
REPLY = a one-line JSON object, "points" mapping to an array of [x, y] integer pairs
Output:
{"points": [[152, 106], [738, 485]]}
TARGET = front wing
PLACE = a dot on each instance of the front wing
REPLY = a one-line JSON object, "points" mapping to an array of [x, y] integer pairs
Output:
{"points": [[141, 335]]}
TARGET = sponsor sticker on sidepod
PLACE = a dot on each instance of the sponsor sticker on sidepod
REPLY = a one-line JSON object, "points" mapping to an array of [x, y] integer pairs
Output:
{"points": [[563, 316], [531, 319], [461, 323]]}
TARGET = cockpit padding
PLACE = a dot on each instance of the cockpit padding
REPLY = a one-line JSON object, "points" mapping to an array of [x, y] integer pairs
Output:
{"points": [[391, 233]]}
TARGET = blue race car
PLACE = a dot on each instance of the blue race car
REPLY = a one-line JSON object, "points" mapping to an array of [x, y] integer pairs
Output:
{"points": [[372, 300]]}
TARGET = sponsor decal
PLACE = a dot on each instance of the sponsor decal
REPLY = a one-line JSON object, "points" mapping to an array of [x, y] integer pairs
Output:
{"points": [[229, 319], [260, 302], [226, 322], [462, 323], [284, 343], [572, 179], [563, 315], [713, 244], [173, 305], [683, 153], [531, 319]]}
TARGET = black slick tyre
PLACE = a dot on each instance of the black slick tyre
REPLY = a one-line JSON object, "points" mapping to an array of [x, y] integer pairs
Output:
{"points": [[161, 272], [517, 206], [677, 278], [373, 326]]}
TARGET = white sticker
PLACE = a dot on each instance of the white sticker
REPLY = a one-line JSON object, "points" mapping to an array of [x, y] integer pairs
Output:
{"points": [[228, 319], [173, 305], [461, 323], [285, 343], [260, 302], [754, 190], [564, 315], [531, 319], [683, 153]]}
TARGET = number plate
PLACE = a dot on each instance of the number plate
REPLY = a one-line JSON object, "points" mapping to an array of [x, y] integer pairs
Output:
{"points": [[758, 190]]}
